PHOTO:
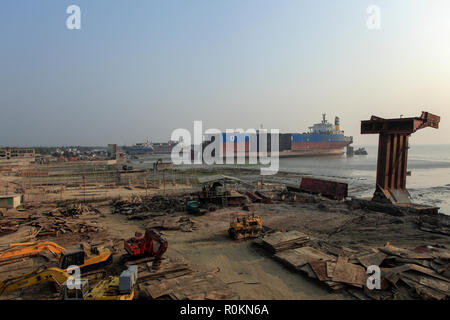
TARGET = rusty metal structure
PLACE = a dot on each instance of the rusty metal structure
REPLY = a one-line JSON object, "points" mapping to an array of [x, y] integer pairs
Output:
{"points": [[393, 153], [331, 189]]}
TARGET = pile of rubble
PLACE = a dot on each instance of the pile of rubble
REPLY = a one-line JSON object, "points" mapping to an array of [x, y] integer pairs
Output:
{"points": [[172, 223], [54, 226], [7, 226], [71, 218], [139, 205], [75, 209], [421, 273], [439, 223]]}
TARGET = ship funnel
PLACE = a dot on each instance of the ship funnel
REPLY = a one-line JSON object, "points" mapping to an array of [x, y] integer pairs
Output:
{"points": [[336, 123]]}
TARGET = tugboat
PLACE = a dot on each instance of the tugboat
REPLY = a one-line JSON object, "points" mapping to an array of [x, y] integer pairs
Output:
{"points": [[360, 152]]}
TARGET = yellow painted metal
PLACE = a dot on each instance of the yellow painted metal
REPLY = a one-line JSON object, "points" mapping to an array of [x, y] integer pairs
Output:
{"points": [[245, 226], [49, 274], [27, 249], [108, 290], [102, 256], [36, 277]]}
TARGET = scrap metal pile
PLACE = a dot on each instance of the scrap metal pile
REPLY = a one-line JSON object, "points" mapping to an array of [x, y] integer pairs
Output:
{"points": [[175, 280], [172, 223], [284, 240], [420, 273], [144, 207], [7, 226], [71, 218], [55, 226], [439, 223], [157, 211]]}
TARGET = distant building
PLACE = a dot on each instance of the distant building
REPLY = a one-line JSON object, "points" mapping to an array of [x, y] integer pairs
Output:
{"points": [[10, 201], [11, 153], [113, 151]]}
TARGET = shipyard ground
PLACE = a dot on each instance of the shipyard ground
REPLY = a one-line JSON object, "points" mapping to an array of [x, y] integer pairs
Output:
{"points": [[247, 269]]}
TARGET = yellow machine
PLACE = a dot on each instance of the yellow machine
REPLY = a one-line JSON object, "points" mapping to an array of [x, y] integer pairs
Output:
{"points": [[87, 261], [109, 290], [36, 277], [96, 258], [29, 249], [104, 290], [244, 226]]}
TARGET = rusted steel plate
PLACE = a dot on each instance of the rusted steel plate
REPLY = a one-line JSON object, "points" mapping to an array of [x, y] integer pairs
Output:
{"points": [[333, 189]]}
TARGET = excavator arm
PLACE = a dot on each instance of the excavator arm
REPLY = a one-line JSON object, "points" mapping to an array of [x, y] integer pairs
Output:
{"points": [[28, 249], [56, 275]]}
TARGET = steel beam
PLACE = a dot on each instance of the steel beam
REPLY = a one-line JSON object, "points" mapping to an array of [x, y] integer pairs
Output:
{"points": [[393, 152]]}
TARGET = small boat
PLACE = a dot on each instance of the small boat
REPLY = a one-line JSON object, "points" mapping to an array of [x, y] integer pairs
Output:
{"points": [[360, 152]]}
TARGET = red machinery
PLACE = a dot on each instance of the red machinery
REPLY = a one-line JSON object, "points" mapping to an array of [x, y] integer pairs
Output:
{"points": [[151, 244]]}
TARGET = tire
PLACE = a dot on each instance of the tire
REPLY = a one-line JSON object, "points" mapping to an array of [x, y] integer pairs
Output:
{"points": [[233, 234]]}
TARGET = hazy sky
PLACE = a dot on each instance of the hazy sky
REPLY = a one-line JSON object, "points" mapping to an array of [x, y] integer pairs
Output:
{"points": [[139, 69]]}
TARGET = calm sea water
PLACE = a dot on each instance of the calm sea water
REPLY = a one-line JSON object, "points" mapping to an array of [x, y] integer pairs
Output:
{"points": [[429, 182]]}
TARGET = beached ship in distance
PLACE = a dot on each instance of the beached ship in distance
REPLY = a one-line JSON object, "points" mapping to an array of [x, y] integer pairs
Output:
{"points": [[322, 139]]}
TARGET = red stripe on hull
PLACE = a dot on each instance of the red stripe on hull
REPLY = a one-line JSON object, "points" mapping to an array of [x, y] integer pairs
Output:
{"points": [[318, 145]]}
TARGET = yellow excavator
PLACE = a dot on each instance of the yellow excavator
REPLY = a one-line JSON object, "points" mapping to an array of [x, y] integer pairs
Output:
{"points": [[86, 259], [104, 290]]}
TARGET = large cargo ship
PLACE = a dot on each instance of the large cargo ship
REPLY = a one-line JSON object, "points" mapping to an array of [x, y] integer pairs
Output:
{"points": [[322, 139]]}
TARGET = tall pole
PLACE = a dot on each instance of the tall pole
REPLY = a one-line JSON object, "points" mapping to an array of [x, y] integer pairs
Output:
{"points": [[84, 187]]}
